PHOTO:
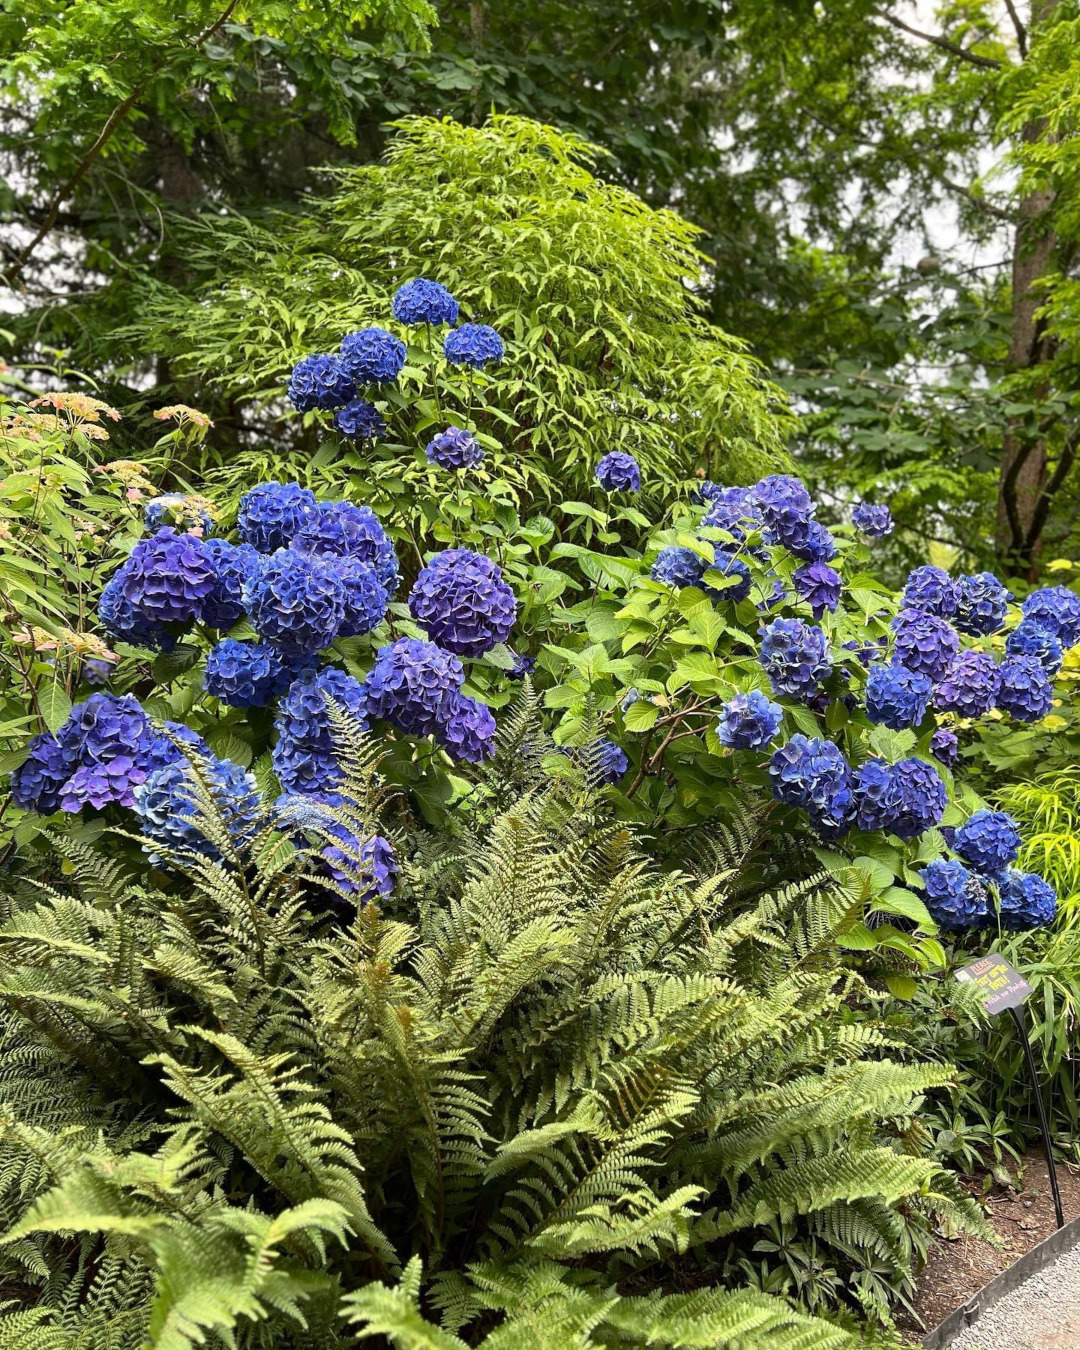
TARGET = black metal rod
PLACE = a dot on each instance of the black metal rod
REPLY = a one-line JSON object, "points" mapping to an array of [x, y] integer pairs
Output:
{"points": [[1051, 1166]]}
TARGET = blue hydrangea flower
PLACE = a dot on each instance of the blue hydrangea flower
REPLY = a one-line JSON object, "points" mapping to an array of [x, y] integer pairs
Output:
{"points": [[816, 546], [919, 798], [730, 509], [808, 772], [875, 521], [455, 448], [308, 773], [833, 817], [795, 657], [739, 580], [372, 356], [523, 665], [346, 530], [981, 603], [748, 721], [423, 301], [1057, 609], [969, 686], [304, 714], [297, 602], [234, 566], [1032, 639], [923, 642], [897, 697], [168, 576], [164, 747], [366, 601], [51, 760], [468, 733], [708, 491], [677, 566], [473, 344], [603, 762], [945, 747], [95, 671], [362, 865], [246, 674], [319, 381], [170, 813], [953, 896], [177, 510], [110, 740], [1026, 900], [988, 840], [931, 590], [360, 420], [618, 472], [123, 622], [412, 686], [819, 586], [785, 508], [463, 602], [874, 795], [272, 513], [1025, 691]]}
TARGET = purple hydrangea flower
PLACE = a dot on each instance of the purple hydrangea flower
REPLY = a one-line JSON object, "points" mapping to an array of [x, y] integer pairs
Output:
{"points": [[305, 757], [603, 762], [897, 697], [875, 521], [170, 813], [523, 665], [945, 747], [110, 741], [473, 344], [730, 509], [904, 799], [360, 420], [1026, 900], [423, 301], [319, 382], [819, 586], [176, 510], [679, 567], [272, 513], [794, 656], [372, 356], [124, 623], [96, 672], [808, 772], [234, 566], [297, 602], [455, 448], [930, 590], [366, 601], [412, 686], [164, 747], [954, 897], [51, 760], [1025, 691], [168, 576], [785, 508], [463, 602], [874, 795], [924, 642], [362, 865], [818, 545], [969, 686], [246, 674], [988, 840], [748, 721], [981, 603], [1056, 609], [468, 733], [1031, 639], [346, 530], [618, 472]]}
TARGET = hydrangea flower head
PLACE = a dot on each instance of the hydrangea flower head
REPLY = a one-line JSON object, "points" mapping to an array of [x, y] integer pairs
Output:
{"points": [[423, 301], [602, 761], [468, 733], [897, 697], [168, 805], [795, 657], [931, 590], [307, 773], [730, 509], [1029, 638], [523, 665], [677, 566], [945, 747], [981, 603], [923, 642], [372, 356], [874, 521], [360, 420], [234, 566], [918, 798], [111, 741], [785, 508], [455, 448], [366, 600], [462, 601], [304, 714], [123, 622], [988, 840], [346, 530], [319, 382], [748, 721], [184, 513], [297, 602], [618, 472], [819, 586], [1057, 609], [808, 771], [51, 759], [817, 545], [412, 686], [737, 574], [246, 674], [473, 344], [168, 576], [1025, 690], [1026, 900], [969, 686], [953, 896], [874, 800], [362, 865], [272, 513]]}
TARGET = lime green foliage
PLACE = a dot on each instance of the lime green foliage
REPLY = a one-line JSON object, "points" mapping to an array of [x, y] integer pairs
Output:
{"points": [[588, 286], [551, 1068]]}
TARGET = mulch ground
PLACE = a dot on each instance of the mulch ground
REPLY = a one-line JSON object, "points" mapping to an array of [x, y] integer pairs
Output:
{"points": [[959, 1268]]}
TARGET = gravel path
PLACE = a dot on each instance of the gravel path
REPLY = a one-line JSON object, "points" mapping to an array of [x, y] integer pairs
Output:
{"points": [[1043, 1314]]}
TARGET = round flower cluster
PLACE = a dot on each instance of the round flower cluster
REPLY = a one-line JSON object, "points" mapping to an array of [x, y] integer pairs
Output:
{"points": [[167, 577], [1029, 638], [455, 448], [618, 472], [273, 513], [677, 566], [473, 344], [416, 687], [981, 604], [930, 590], [945, 747], [794, 656], [905, 799], [246, 674], [924, 643], [730, 509], [954, 897], [813, 774], [346, 530], [319, 382], [463, 602], [749, 721], [1057, 609], [422, 301], [819, 585], [897, 697], [372, 356], [122, 622], [174, 803], [297, 602], [785, 509], [304, 757], [969, 686], [988, 840], [873, 521], [1025, 690], [235, 565], [360, 420], [1025, 900]]}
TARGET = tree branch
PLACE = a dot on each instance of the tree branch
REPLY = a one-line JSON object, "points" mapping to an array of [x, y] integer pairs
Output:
{"points": [[998, 212], [1057, 478], [936, 40], [1018, 27]]}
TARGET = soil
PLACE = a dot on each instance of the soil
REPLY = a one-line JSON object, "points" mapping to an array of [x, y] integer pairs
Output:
{"points": [[958, 1268]]}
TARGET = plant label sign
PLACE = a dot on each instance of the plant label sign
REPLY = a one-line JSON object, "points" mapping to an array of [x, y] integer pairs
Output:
{"points": [[1002, 987]]}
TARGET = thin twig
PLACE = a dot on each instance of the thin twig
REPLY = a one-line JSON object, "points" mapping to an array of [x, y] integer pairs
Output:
{"points": [[936, 40]]}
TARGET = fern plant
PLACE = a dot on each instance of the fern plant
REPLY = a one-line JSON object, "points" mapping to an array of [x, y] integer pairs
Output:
{"points": [[551, 1095]]}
